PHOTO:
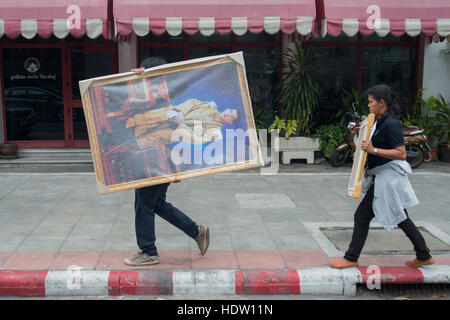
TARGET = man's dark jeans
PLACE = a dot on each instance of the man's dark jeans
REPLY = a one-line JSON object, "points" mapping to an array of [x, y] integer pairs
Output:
{"points": [[150, 201], [364, 214]]}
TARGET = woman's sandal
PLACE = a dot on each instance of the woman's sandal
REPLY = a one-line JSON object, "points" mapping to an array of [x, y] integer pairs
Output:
{"points": [[343, 263]]}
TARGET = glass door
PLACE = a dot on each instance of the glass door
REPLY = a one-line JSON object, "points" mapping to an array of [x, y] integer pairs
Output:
{"points": [[85, 62], [33, 92]]}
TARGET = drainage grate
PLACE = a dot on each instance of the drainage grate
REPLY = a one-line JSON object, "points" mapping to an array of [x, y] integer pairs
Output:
{"points": [[439, 291], [334, 237], [381, 242]]}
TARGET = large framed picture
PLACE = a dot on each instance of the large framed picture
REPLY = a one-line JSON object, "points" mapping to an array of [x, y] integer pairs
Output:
{"points": [[175, 121]]}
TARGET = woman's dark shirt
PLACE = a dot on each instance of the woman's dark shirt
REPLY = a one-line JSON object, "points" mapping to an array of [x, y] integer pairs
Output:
{"points": [[388, 135]]}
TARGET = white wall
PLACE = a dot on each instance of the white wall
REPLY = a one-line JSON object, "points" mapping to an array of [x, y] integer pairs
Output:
{"points": [[436, 70], [127, 52]]}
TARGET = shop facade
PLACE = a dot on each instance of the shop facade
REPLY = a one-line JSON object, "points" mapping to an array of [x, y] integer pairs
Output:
{"points": [[40, 89], [40, 66]]}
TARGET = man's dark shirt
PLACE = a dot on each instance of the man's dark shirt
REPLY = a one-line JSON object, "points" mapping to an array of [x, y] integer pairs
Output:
{"points": [[388, 135]]}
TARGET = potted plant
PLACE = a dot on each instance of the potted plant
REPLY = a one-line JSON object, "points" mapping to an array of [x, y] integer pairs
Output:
{"points": [[442, 118], [286, 128], [262, 118], [420, 115], [299, 91], [298, 100], [9, 150], [290, 144], [350, 100], [330, 136]]}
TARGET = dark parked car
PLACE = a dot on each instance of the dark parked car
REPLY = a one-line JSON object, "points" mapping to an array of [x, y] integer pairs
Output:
{"points": [[47, 105], [24, 106], [20, 121]]}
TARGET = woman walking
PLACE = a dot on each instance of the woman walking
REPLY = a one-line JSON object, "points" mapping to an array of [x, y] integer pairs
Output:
{"points": [[389, 192]]}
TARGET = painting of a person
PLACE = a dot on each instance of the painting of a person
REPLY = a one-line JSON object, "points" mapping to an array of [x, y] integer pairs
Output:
{"points": [[200, 120]]}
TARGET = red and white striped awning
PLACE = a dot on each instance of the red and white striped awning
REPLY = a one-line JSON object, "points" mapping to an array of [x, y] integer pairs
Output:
{"points": [[209, 16], [413, 17], [44, 18]]}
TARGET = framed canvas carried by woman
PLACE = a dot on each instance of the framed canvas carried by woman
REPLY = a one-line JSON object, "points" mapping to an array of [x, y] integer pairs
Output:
{"points": [[359, 160]]}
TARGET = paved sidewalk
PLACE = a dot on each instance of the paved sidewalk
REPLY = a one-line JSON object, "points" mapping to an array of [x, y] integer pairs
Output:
{"points": [[50, 222]]}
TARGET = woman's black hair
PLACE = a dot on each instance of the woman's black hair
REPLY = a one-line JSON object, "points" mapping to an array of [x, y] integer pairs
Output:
{"points": [[384, 92], [152, 62]]}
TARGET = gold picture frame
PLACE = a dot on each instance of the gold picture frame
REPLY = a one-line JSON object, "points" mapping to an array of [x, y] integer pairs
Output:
{"points": [[129, 118]]}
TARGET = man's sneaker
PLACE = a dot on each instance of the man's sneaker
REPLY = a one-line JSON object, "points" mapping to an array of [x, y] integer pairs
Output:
{"points": [[202, 239], [141, 259], [419, 263]]}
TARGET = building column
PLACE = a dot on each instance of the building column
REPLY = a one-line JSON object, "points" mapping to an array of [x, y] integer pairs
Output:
{"points": [[127, 52], [2, 135], [436, 69]]}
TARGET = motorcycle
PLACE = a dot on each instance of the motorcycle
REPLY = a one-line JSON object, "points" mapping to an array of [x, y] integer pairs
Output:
{"points": [[345, 150], [416, 143]]}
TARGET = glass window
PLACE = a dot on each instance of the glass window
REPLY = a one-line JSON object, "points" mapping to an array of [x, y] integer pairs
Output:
{"points": [[164, 38], [262, 65], [340, 38], [200, 52], [79, 125], [170, 54], [215, 37], [86, 65], [338, 70], [258, 37], [388, 38], [394, 66], [37, 39], [262, 61], [33, 94], [16, 93], [86, 39]]}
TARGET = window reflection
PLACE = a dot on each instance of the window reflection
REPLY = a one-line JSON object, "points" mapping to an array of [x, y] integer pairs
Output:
{"points": [[79, 125], [261, 53], [200, 52], [215, 37], [86, 65], [338, 70], [33, 94], [168, 53], [263, 72], [394, 66]]}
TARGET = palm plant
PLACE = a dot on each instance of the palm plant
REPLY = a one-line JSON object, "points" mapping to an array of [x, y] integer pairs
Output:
{"points": [[345, 113], [299, 90], [262, 118], [442, 109]]}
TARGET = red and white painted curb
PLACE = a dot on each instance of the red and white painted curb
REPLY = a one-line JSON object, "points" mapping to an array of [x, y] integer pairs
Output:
{"points": [[318, 281]]}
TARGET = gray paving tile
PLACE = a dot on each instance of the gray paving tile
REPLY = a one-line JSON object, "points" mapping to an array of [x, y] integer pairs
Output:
{"points": [[121, 242], [92, 243], [264, 200], [36, 209], [39, 243]]}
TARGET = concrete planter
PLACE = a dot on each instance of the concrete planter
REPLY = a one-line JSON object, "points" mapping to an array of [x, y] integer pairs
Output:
{"points": [[297, 148], [434, 154]]}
